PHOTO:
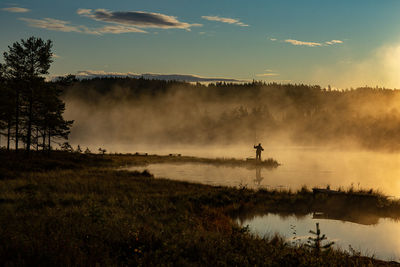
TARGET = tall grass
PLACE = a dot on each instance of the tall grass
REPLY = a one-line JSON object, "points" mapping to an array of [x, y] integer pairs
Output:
{"points": [[75, 210]]}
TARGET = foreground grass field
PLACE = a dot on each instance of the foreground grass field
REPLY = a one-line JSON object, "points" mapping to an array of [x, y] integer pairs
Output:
{"points": [[79, 210]]}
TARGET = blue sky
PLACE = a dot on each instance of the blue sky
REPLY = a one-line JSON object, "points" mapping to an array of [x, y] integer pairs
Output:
{"points": [[340, 43]]}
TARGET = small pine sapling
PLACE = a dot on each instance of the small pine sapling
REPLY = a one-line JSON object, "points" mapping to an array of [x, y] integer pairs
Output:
{"points": [[316, 242]]}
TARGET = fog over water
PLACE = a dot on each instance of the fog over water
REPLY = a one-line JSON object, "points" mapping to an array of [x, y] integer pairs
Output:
{"points": [[347, 139], [300, 166], [321, 137]]}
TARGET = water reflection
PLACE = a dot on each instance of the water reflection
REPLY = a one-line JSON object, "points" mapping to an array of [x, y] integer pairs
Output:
{"points": [[300, 166], [251, 177], [208, 174], [258, 179], [356, 217], [376, 237]]}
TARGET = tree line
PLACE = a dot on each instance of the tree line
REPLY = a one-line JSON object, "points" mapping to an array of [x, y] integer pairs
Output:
{"points": [[31, 110], [168, 112]]}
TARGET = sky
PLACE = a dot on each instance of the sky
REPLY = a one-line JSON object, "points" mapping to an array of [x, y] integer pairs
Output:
{"points": [[339, 43]]}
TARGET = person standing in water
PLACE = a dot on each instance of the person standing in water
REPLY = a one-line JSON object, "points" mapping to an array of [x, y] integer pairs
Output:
{"points": [[258, 148]]}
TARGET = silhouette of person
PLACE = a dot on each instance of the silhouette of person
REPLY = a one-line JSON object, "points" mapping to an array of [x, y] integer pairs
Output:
{"points": [[258, 148]]}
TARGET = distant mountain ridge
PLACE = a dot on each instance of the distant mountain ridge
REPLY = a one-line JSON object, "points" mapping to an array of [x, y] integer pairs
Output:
{"points": [[151, 76]]}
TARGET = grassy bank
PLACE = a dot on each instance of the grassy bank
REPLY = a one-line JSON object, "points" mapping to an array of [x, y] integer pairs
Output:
{"points": [[144, 159], [71, 209]]}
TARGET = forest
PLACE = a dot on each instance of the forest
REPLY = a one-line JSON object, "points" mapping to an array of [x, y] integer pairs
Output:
{"points": [[156, 111]]}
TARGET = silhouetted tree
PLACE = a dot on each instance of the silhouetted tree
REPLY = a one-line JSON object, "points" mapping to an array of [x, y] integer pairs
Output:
{"points": [[3, 102], [6, 105], [50, 116], [316, 242], [37, 108], [26, 62]]}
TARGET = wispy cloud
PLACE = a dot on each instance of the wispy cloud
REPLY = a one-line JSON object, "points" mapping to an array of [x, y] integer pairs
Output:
{"points": [[56, 25], [225, 20], [116, 29], [66, 26], [311, 44], [136, 18], [273, 39], [15, 9], [83, 11], [120, 22], [302, 43], [268, 73], [334, 42]]}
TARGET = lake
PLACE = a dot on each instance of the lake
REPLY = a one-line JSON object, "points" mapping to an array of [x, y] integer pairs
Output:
{"points": [[313, 167], [380, 240]]}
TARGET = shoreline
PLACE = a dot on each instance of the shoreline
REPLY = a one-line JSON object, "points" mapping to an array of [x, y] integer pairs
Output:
{"points": [[145, 159], [76, 209]]}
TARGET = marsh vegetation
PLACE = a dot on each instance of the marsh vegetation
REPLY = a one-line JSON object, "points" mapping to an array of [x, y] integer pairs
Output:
{"points": [[77, 209]]}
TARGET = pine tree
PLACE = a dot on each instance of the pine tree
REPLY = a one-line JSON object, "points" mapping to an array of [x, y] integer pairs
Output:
{"points": [[38, 109], [50, 116], [26, 62], [6, 105], [316, 242]]}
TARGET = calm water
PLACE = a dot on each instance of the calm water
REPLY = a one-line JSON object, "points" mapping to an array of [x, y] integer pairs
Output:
{"points": [[381, 239], [300, 166], [311, 167]]}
